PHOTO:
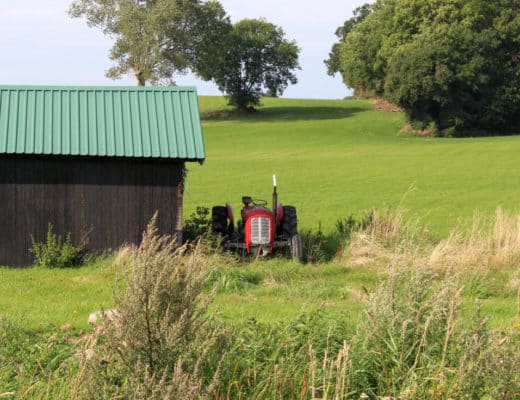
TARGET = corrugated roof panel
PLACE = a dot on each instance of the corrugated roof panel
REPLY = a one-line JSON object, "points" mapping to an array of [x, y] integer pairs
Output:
{"points": [[101, 121]]}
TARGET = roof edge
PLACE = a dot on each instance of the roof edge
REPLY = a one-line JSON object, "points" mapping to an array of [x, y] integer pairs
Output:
{"points": [[108, 88]]}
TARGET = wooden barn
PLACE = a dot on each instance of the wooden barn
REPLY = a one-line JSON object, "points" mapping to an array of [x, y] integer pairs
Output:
{"points": [[96, 160]]}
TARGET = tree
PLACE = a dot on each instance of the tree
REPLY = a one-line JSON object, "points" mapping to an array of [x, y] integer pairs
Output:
{"points": [[453, 65], [333, 62], [258, 58], [154, 39]]}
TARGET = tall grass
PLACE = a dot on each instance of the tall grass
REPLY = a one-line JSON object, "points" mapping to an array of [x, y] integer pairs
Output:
{"points": [[417, 337], [388, 238], [410, 345], [392, 240], [488, 243], [36, 365]]}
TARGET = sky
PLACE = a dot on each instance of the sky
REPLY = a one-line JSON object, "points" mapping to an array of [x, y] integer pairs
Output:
{"points": [[41, 45]]}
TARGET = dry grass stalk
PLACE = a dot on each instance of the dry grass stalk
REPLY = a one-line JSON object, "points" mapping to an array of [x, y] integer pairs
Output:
{"points": [[390, 241], [488, 244], [329, 377]]}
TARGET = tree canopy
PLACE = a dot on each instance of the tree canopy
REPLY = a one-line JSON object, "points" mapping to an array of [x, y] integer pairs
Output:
{"points": [[154, 39], [257, 59], [453, 65]]}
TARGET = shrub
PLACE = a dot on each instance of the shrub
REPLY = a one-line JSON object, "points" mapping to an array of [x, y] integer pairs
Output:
{"points": [[161, 343], [56, 253], [347, 226], [198, 224]]}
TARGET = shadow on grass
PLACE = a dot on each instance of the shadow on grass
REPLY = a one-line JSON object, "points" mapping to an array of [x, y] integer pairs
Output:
{"points": [[305, 113]]}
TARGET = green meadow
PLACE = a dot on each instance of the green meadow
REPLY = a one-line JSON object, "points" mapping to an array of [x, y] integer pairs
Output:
{"points": [[339, 157], [333, 159]]}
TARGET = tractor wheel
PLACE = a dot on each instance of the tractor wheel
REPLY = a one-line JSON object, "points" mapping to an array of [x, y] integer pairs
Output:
{"points": [[296, 247], [219, 219], [289, 222]]}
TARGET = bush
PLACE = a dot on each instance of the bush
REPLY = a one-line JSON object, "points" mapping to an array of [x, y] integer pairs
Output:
{"points": [[53, 253], [198, 224], [161, 342]]}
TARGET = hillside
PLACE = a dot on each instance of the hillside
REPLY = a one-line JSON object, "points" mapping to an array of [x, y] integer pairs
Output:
{"points": [[337, 157]]}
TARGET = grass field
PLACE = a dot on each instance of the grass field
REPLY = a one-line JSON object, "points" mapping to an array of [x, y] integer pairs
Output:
{"points": [[334, 158]]}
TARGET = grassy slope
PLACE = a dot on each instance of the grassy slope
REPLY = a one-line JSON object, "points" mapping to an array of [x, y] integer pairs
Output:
{"points": [[336, 157]]}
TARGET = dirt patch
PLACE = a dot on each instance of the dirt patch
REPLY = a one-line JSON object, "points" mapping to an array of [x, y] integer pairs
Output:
{"points": [[409, 130], [384, 105]]}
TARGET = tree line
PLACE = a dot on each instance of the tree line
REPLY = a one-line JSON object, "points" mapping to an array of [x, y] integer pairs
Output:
{"points": [[452, 65], [157, 39]]}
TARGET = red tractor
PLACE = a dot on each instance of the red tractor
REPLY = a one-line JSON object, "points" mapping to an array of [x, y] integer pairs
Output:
{"points": [[261, 230]]}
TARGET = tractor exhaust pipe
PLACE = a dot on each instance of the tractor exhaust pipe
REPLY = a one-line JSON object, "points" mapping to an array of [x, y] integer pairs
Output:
{"points": [[275, 202]]}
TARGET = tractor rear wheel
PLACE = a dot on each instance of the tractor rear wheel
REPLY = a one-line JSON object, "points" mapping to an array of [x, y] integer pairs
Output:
{"points": [[289, 222], [296, 247], [219, 218]]}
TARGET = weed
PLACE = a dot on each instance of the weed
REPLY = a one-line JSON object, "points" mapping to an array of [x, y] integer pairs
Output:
{"points": [[162, 343], [55, 253], [347, 226]]}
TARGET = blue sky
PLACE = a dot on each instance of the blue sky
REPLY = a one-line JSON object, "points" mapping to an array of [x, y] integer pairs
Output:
{"points": [[40, 44]]}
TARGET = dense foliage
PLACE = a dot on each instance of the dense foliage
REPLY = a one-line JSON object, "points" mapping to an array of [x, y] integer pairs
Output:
{"points": [[258, 58], [453, 65], [154, 39]]}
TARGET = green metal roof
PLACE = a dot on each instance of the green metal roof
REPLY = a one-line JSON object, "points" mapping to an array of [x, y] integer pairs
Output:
{"points": [[157, 122]]}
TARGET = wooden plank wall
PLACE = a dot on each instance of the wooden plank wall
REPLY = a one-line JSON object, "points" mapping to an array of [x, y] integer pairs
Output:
{"points": [[111, 199]]}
